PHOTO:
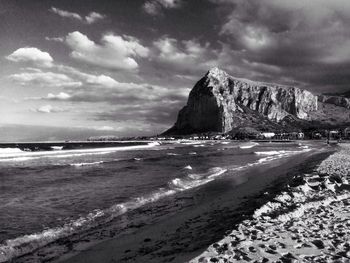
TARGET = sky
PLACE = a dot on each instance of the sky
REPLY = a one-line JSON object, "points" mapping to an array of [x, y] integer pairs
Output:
{"points": [[126, 67]]}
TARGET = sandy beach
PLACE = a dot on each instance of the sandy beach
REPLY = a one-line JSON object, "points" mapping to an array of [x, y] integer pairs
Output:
{"points": [[308, 222], [217, 209]]}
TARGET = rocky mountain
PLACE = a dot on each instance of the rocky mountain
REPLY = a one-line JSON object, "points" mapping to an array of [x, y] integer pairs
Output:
{"points": [[335, 100], [221, 103]]}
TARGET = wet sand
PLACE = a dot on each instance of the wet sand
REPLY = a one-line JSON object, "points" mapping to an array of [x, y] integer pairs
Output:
{"points": [[307, 222], [217, 209]]}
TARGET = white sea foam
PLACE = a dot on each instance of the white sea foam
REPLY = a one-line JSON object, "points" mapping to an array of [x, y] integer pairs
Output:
{"points": [[195, 180], [15, 154], [248, 146], [172, 154], [191, 142], [28, 243], [57, 148], [282, 152], [6, 151], [86, 164], [18, 159], [268, 153]]}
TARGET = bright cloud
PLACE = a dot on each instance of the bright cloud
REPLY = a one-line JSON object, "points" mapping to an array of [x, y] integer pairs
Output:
{"points": [[91, 18], [48, 109], [45, 79], [186, 55], [59, 96], [114, 52], [31, 55], [64, 13], [94, 17]]}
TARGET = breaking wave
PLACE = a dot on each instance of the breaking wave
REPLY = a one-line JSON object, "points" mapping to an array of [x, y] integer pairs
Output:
{"points": [[195, 180], [25, 244], [282, 152], [248, 146], [86, 164], [28, 243], [15, 154]]}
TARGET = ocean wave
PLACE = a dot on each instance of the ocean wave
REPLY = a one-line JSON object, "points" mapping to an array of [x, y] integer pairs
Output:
{"points": [[6, 151], [248, 146], [191, 142], [283, 152], [18, 159], [56, 148], [86, 164], [195, 180], [22, 245], [172, 154], [25, 244], [14, 154], [309, 212]]}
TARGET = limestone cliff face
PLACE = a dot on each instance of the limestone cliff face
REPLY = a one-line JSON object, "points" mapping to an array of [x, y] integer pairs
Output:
{"points": [[218, 98]]}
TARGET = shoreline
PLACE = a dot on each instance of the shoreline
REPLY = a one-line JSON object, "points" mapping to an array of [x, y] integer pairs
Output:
{"points": [[187, 234], [308, 221]]}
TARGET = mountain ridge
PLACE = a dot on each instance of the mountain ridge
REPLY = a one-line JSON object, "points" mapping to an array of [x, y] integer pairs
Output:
{"points": [[221, 103]]}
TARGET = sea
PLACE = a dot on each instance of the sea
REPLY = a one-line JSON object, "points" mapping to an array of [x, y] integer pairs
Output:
{"points": [[50, 196]]}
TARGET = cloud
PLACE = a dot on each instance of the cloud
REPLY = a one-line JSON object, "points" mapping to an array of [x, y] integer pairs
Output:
{"points": [[48, 109], [114, 52], [56, 39], [104, 128], [44, 79], [303, 42], [186, 55], [94, 17], [67, 14], [59, 96], [91, 18], [31, 55], [155, 7], [147, 117]]}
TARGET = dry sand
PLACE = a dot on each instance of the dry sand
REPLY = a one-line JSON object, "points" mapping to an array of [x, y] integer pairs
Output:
{"points": [[309, 222]]}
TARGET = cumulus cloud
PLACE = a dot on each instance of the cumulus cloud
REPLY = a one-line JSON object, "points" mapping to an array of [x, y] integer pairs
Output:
{"points": [[155, 7], [114, 52], [44, 79], [31, 55], [186, 55], [94, 17], [91, 18], [48, 109]]}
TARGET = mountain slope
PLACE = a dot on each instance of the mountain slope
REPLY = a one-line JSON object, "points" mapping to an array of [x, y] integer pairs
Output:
{"points": [[221, 103]]}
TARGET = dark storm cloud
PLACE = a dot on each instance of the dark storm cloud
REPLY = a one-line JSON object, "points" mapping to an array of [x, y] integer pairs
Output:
{"points": [[306, 40]]}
